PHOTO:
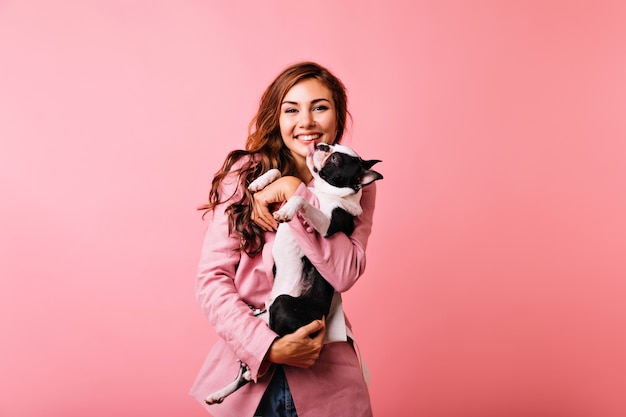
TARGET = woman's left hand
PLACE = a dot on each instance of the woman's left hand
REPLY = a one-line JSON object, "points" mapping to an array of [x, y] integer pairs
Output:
{"points": [[301, 348], [269, 198]]}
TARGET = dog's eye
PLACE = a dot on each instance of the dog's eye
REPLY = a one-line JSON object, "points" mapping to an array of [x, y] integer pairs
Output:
{"points": [[335, 159]]}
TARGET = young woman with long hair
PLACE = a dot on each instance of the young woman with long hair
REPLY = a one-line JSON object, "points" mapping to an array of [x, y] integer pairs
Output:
{"points": [[297, 374]]}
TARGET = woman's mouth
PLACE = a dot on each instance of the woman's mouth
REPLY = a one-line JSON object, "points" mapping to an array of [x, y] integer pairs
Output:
{"points": [[309, 137]]}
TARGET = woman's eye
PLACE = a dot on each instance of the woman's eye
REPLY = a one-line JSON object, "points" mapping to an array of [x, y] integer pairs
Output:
{"points": [[290, 111], [320, 108]]}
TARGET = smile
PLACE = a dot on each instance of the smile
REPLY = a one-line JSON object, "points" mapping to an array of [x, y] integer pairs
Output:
{"points": [[309, 137]]}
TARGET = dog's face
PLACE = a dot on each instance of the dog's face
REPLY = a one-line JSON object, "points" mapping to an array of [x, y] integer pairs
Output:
{"points": [[341, 168]]}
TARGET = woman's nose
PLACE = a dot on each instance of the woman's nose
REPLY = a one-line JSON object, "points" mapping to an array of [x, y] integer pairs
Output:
{"points": [[306, 119]]}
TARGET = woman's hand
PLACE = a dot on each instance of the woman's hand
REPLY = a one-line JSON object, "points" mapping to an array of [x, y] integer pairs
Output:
{"points": [[270, 198], [299, 348]]}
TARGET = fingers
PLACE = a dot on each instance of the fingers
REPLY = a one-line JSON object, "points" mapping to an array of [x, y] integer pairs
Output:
{"points": [[315, 332], [316, 342], [311, 328], [261, 213], [299, 349], [321, 334]]}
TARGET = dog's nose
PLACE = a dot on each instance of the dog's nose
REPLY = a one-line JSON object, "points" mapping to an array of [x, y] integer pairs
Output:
{"points": [[322, 147]]}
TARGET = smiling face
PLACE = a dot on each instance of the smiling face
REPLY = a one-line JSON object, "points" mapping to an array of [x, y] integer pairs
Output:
{"points": [[307, 116]]}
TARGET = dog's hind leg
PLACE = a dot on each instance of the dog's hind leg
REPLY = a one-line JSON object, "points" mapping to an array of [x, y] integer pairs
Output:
{"points": [[243, 377]]}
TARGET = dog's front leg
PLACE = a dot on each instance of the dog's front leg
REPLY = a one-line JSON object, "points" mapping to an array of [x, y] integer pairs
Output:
{"points": [[264, 180], [315, 218], [311, 214]]}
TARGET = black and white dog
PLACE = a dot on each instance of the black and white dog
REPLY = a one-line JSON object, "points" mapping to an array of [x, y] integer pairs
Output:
{"points": [[300, 294]]}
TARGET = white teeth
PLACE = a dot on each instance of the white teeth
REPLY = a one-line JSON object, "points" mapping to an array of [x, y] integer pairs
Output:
{"points": [[308, 137]]}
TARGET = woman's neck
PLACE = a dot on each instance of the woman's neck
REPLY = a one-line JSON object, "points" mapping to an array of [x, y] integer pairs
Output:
{"points": [[303, 171]]}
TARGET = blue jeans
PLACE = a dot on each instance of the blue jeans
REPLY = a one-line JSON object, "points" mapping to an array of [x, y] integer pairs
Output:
{"points": [[277, 400]]}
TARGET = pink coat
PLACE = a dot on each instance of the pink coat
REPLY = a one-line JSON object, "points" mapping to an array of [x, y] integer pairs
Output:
{"points": [[229, 282]]}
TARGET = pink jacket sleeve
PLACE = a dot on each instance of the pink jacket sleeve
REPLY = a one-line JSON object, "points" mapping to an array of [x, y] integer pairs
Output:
{"points": [[217, 294], [340, 258]]}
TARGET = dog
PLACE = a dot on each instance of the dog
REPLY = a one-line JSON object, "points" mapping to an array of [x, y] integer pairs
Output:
{"points": [[300, 294]]}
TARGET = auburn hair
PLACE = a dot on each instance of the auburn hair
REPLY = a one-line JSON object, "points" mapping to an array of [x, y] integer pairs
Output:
{"points": [[265, 149]]}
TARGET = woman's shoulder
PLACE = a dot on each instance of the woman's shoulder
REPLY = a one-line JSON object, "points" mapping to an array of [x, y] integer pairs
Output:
{"points": [[236, 162]]}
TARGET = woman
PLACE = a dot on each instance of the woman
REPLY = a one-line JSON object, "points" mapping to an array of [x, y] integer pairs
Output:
{"points": [[296, 375]]}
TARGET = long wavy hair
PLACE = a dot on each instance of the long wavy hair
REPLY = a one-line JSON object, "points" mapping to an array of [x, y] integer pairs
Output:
{"points": [[265, 149]]}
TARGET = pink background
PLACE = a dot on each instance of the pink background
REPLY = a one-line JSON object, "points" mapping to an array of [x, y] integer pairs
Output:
{"points": [[496, 271]]}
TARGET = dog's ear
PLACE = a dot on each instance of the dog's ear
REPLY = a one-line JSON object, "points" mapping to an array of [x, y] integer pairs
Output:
{"points": [[369, 176], [370, 163]]}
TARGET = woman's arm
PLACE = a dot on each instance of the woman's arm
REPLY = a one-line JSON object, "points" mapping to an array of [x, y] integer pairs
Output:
{"points": [[271, 197], [248, 336], [339, 258]]}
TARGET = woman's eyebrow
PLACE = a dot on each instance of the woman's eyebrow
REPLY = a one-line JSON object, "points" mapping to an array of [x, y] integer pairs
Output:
{"points": [[317, 100]]}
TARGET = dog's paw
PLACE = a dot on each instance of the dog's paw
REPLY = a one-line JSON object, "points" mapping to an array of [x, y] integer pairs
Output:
{"points": [[214, 399], [247, 375], [264, 180], [288, 211]]}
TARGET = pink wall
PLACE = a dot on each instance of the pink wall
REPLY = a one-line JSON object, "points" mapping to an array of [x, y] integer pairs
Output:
{"points": [[496, 271]]}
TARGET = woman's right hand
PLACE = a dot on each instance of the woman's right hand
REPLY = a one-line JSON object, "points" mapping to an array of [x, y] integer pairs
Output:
{"points": [[269, 198], [299, 349]]}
